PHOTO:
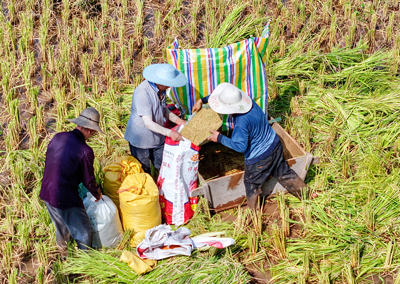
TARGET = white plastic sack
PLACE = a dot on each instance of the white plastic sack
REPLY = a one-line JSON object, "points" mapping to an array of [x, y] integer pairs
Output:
{"points": [[177, 178], [107, 228]]}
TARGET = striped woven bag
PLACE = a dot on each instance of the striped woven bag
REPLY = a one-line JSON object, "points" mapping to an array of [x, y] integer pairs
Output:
{"points": [[241, 64]]}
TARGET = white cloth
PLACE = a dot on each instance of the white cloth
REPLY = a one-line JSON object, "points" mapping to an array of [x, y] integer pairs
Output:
{"points": [[200, 242], [161, 242]]}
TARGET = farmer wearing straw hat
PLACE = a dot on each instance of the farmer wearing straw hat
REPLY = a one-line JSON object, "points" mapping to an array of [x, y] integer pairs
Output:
{"points": [[69, 162], [253, 136], [145, 130]]}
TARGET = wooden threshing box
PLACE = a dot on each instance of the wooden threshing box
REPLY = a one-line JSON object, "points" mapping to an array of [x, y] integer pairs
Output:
{"points": [[229, 191]]}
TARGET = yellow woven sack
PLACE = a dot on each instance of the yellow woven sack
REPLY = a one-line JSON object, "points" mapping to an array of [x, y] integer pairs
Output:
{"points": [[139, 205], [116, 174]]}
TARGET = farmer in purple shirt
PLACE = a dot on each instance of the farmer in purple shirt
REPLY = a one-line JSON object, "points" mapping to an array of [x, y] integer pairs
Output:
{"points": [[253, 136], [69, 162]]}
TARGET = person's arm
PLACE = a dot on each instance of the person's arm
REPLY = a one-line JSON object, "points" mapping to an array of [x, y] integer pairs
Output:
{"points": [[144, 107], [155, 127], [173, 117], [239, 141], [89, 180], [199, 104]]}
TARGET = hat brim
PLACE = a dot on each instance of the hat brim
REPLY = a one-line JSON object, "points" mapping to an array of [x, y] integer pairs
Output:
{"points": [[80, 121], [243, 106], [150, 73]]}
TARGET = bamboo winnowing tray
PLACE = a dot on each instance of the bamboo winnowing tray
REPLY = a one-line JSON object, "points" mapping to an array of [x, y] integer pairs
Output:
{"points": [[199, 127]]}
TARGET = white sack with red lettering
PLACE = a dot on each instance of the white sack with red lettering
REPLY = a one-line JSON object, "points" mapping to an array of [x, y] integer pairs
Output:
{"points": [[177, 178]]}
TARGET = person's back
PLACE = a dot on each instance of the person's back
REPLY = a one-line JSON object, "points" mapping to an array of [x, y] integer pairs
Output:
{"points": [[261, 136], [69, 162], [64, 169]]}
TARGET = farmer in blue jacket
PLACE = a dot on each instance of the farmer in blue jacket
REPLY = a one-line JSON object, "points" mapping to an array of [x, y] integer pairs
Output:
{"points": [[253, 136]]}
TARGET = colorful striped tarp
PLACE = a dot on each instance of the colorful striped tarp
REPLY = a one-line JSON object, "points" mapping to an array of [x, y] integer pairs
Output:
{"points": [[241, 64]]}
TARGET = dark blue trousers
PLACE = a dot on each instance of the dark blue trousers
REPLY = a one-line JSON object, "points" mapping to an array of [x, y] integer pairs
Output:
{"points": [[72, 222], [275, 165], [144, 156]]}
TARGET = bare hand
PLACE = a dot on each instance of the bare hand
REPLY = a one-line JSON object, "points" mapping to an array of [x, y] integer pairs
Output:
{"points": [[197, 106], [100, 196], [175, 136], [214, 136], [181, 121]]}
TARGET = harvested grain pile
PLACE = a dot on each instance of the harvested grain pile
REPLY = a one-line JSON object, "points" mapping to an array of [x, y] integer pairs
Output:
{"points": [[216, 160], [198, 128]]}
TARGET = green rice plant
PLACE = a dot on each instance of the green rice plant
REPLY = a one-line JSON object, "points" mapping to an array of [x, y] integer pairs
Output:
{"points": [[326, 11], [51, 63], [228, 32], [397, 279], [104, 11], [389, 28], [43, 33], [33, 137], [349, 275], [125, 63], [113, 50], [65, 12], [57, 272], [391, 247], [131, 47], [24, 237], [284, 214], [306, 266], [121, 33], [13, 277], [85, 67], [145, 50], [347, 11], [7, 260], [157, 24], [355, 256], [138, 26], [278, 241], [195, 269], [124, 8], [91, 29], [252, 240], [282, 48], [371, 31], [14, 128], [40, 274], [332, 31]]}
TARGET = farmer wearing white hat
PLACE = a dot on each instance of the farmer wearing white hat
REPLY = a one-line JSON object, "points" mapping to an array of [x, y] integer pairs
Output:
{"points": [[253, 136], [144, 131], [69, 162]]}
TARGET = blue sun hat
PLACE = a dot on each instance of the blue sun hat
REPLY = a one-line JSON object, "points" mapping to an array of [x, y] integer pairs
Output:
{"points": [[165, 74]]}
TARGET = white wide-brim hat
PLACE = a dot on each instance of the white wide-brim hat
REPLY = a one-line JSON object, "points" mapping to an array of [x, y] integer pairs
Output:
{"points": [[89, 118], [228, 99], [165, 74]]}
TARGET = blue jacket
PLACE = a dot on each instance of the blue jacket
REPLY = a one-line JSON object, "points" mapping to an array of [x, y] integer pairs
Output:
{"points": [[252, 135]]}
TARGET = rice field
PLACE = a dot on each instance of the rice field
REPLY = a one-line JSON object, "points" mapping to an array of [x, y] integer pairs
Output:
{"points": [[333, 75]]}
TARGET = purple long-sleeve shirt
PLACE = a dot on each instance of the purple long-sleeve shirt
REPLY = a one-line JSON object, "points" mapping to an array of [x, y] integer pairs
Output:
{"points": [[69, 162]]}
